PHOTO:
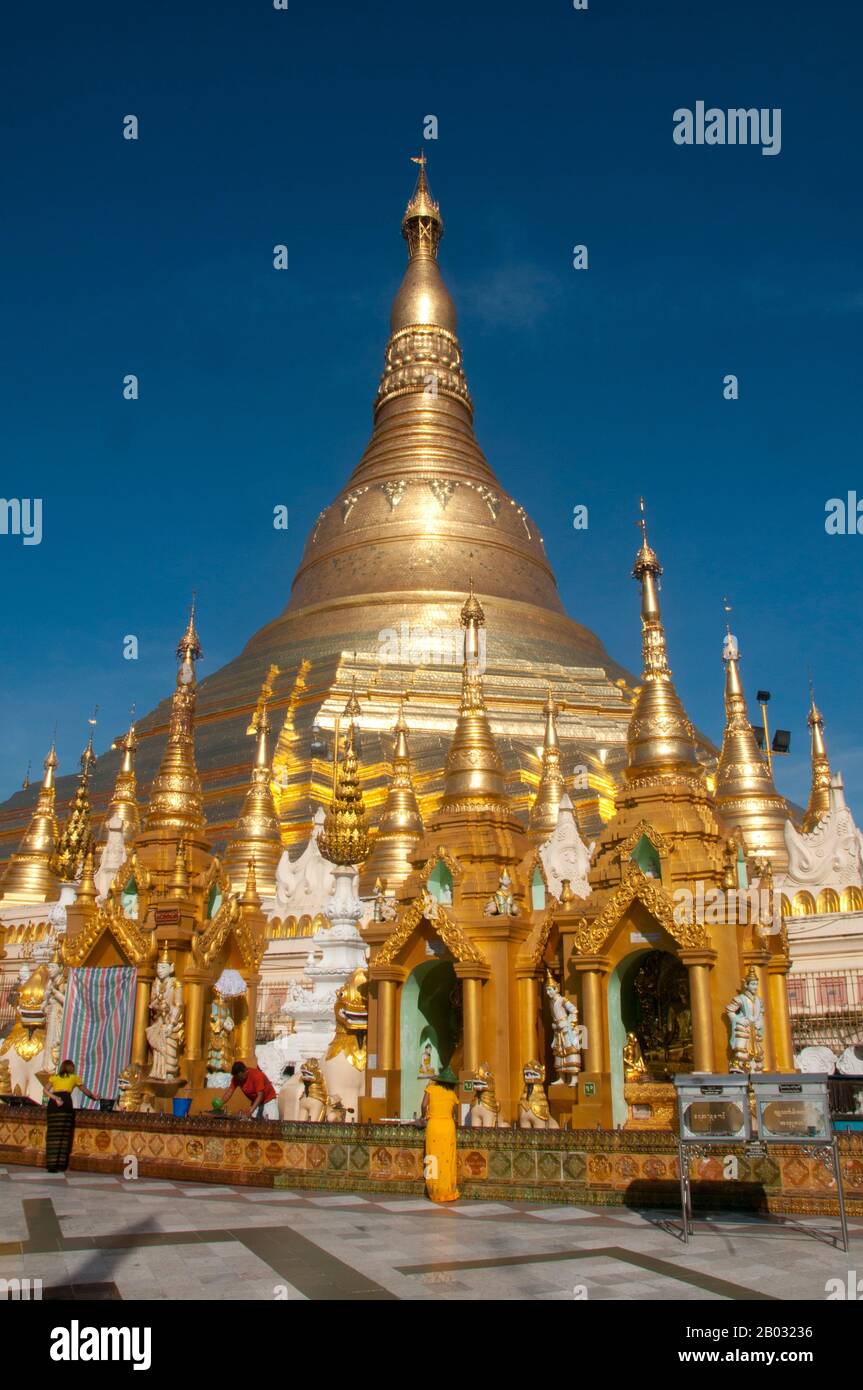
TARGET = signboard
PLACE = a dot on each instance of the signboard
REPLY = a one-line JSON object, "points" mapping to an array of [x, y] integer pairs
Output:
{"points": [[712, 1108], [792, 1108]]}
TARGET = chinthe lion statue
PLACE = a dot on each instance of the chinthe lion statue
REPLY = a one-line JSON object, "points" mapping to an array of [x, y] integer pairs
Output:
{"points": [[484, 1110], [132, 1094], [533, 1110]]}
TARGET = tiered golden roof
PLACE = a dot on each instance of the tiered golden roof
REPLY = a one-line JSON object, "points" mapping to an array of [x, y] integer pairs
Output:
{"points": [[345, 838], [176, 802], [76, 837], [546, 805], [819, 795], [400, 827], [256, 836], [745, 792], [661, 740], [124, 802], [29, 877]]}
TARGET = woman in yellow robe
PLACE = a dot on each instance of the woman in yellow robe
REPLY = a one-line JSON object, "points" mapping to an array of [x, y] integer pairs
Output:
{"points": [[440, 1104]]}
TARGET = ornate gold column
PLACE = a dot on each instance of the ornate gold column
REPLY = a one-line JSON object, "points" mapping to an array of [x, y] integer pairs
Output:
{"points": [[779, 1026], [471, 978], [528, 1011], [388, 982], [194, 1020], [593, 971], [699, 964], [246, 1030], [143, 985]]}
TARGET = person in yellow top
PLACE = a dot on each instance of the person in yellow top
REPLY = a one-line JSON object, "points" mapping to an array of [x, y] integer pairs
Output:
{"points": [[439, 1109], [61, 1115]]}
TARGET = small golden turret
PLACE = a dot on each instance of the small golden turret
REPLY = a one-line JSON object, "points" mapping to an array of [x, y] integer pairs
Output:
{"points": [[256, 834], [345, 838], [819, 795], [400, 827], [29, 877], [86, 894], [76, 837], [179, 884], [546, 804], [124, 802], [745, 792], [176, 802], [473, 770], [660, 739]]}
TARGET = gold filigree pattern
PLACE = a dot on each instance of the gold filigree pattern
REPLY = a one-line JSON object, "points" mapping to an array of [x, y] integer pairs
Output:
{"points": [[137, 946], [590, 938], [456, 941], [663, 844], [227, 921]]}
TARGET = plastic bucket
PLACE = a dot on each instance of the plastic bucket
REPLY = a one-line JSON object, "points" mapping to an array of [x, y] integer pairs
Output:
{"points": [[181, 1106]]}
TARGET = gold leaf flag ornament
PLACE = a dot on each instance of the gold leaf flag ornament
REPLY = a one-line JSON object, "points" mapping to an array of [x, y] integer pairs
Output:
{"points": [[345, 838]]}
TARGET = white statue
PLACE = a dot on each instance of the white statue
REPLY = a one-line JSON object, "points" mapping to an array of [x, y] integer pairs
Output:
{"points": [[830, 856], [565, 855], [816, 1059], [165, 1033], [55, 999], [746, 1020], [114, 855], [566, 1045]]}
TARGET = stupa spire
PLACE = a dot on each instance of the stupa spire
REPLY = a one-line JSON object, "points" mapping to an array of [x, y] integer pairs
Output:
{"points": [[819, 795], [124, 801], [176, 801], [745, 793], [256, 835], [29, 877], [546, 805], [474, 769], [344, 839], [660, 737], [76, 837], [400, 826]]}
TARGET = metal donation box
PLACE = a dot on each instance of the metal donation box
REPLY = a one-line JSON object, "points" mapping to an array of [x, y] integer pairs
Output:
{"points": [[713, 1109], [792, 1109]]}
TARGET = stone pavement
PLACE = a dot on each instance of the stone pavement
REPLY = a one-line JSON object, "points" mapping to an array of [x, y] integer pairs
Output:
{"points": [[92, 1236]]}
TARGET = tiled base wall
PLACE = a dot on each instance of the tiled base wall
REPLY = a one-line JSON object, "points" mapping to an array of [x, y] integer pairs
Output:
{"points": [[601, 1167]]}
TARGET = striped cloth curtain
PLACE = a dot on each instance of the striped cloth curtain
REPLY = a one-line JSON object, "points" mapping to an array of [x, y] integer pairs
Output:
{"points": [[97, 1026]]}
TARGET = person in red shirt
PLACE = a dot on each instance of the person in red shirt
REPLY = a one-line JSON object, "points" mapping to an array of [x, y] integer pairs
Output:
{"points": [[254, 1084]]}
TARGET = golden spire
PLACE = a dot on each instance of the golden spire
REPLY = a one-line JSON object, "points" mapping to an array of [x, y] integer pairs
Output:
{"points": [[819, 796], [423, 355], [179, 884], [76, 837], [86, 894], [176, 802], [745, 793], [29, 877], [345, 837], [546, 803], [660, 737], [473, 770], [124, 802], [400, 826], [256, 835]]}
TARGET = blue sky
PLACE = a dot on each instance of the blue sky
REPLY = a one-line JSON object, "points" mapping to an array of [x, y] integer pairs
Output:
{"points": [[555, 128]]}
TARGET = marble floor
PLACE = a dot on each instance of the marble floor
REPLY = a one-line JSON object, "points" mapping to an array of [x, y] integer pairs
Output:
{"points": [[88, 1236]]}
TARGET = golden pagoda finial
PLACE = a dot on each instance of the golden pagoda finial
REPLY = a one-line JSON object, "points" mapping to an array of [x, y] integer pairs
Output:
{"points": [[176, 801], [124, 801], [344, 838], [400, 826], [546, 804], [29, 876], [745, 792], [473, 770], [422, 224], [85, 896], [352, 709], [819, 795], [77, 834], [660, 737], [179, 884], [257, 836], [251, 897]]}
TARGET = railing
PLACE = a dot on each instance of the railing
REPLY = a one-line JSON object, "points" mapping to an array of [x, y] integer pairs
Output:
{"points": [[826, 1008]]}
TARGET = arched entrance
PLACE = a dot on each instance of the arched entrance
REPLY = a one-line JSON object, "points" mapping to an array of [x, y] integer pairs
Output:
{"points": [[648, 995], [430, 1026]]}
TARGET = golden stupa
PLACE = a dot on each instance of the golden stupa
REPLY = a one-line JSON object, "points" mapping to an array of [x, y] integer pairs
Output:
{"points": [[376, 600]]}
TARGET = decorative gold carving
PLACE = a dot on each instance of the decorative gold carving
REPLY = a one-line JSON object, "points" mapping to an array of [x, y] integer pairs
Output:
{"points": [[394, 490], [457, 942], [442, 489], [590, 938], [134, 944], [663, 844], [229, 920]]}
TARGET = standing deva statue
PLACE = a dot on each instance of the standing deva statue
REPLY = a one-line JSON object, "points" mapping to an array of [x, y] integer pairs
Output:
{"points": [[165, 1033], [746, 1021], [566, 1044]]}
